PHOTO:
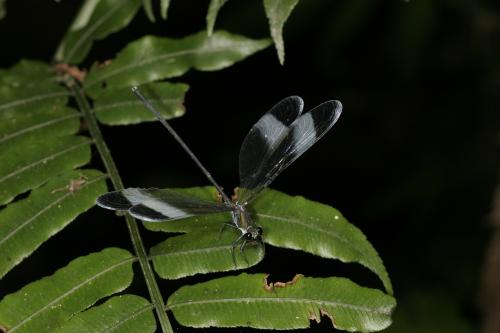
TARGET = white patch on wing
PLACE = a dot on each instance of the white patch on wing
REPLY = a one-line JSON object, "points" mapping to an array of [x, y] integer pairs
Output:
{"points": [[304, 134], [272, 130], [136, 196]]}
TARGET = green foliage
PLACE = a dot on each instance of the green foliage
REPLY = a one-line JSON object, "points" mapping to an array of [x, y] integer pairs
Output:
{"points": [[106, 17], [148, 8], [47, 303], [155, 58], [201, 251], [311, 227], [315, 228], [43, 146], [121, 107], [164, 8], [213, 10], [37, 138], [27, 73], [289, 305], [3, 12], [27, 223], [277, 12], [124, 313]]}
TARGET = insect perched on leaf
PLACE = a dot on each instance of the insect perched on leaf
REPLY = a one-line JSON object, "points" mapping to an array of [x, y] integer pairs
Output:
{"points": [[279, 137]]}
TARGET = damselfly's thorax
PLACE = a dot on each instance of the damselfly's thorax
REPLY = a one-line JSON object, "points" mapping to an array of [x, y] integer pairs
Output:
{"points": [[243, 221]]}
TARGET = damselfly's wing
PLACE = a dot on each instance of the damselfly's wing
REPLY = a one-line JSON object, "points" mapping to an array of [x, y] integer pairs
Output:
{"points": [[263, 139], [153, 204], [274, 143]]}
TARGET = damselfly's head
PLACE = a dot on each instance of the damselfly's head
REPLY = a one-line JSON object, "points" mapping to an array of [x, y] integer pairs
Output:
{"points": [[253, 233]]}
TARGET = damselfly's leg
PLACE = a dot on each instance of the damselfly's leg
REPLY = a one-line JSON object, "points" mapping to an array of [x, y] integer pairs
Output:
{"points": [[223, 227], [242, 248], [233, 246]]}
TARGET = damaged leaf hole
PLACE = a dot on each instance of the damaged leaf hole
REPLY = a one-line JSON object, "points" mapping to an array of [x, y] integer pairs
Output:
{"points": [[271, 285]]}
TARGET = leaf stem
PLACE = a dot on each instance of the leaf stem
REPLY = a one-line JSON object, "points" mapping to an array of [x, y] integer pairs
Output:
{"points": [[109, 163]]}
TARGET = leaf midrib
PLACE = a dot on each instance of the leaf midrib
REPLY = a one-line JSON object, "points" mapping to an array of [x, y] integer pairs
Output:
{"points": [[320, 302], [133, 65], [37, 126], [133, 103], [31, 99], [191, 251], [47, 158], [315, 228]]}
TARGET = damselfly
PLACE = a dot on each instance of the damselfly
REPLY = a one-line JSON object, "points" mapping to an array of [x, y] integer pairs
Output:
{"points": [[279, 137]]}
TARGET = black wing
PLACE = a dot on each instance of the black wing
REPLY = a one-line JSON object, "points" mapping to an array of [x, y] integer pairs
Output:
{"points": [[274, 143], [152, 204]]}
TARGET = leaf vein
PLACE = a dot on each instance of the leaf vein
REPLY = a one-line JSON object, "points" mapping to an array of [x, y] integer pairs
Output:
{"points": [[46, 208], [129, 103], [133, 65], [191, 251], [318, 229], [382, 310], [131, 317], [37, 126], [33, 99], [70, 291], [33, 164]]}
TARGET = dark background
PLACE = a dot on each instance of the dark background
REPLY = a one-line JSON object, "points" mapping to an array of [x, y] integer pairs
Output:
{"points": [[413, 160]]}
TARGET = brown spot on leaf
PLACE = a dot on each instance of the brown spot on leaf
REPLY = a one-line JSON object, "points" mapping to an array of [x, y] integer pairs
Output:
{"points": [[73, 71], [74, 185], [103, 64]]}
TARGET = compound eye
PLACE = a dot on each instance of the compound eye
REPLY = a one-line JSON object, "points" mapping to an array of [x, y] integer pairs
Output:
{"points": [[248, 236], [259, 231]]}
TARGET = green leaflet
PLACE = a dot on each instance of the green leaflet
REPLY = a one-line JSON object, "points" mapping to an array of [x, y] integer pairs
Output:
{"points": [[27, 223], [277, 12], [107, 17], [122, 107], [28, 165], [35, 131], [315, 228], [3, 12], [202, 251], [164, 8], [35, 96], [213, 10], [148, 8], [311, 227], [154, 58], [26, 123], [47, 303], [27, 73], [124, 313], [248, 300]]}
